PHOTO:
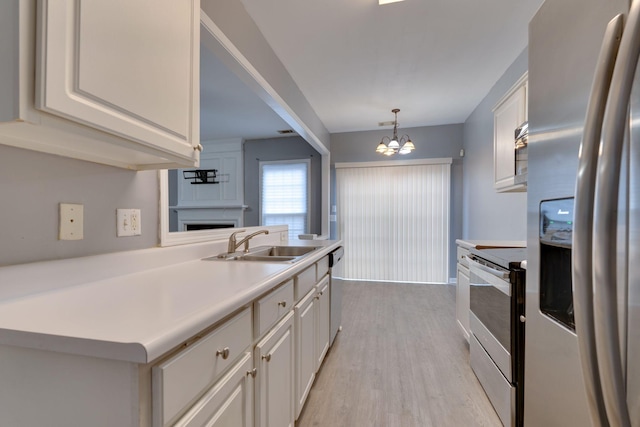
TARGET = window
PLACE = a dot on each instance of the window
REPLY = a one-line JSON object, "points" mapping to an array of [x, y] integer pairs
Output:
{"points": [[284, 195]]}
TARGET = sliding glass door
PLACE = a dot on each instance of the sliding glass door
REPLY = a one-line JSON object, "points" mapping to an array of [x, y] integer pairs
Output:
{"points": [[394, 220]]}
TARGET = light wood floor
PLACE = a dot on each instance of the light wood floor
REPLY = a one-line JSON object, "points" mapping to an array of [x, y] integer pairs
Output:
{"points": [[400, 360]]}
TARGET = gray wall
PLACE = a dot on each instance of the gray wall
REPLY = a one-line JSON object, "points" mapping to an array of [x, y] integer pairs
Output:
{"points": [[431, 142], [290, 148], [33, 184], [488, 214]]}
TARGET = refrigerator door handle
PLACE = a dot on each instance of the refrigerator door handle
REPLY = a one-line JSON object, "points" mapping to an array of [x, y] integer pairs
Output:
{"points": [[583, 220], [605, 223]]}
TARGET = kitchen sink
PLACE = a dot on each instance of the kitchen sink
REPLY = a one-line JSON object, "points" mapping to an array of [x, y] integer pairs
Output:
{"points": [[287, 254], [282, 251]]}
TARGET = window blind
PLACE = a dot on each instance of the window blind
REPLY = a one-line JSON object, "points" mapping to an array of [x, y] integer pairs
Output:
{"points": [[394, 221], [284, 195]]}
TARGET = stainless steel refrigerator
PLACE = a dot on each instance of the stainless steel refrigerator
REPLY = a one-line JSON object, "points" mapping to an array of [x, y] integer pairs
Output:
{"points": [[582, 350]]}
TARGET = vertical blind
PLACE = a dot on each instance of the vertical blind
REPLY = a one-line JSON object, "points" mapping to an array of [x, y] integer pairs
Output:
{"points": [[284, 195], [394, 221]]}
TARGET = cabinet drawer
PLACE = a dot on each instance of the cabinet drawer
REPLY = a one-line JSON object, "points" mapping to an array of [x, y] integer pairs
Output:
{"points": [[228, 403], [305, 281], [271, 308], [322, 268], [179, 380], [462, 256]]}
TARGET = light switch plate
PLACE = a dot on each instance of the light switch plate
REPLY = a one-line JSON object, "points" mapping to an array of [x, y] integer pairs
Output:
{"points": [[71, 222], [128, 222]]}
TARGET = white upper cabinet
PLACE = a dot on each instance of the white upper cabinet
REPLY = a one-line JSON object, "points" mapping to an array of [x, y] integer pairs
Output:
{"points": [[116, 82], [509, 113]]}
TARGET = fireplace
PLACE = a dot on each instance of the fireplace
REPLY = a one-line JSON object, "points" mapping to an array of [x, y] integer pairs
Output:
{"points": [[189, 218]]}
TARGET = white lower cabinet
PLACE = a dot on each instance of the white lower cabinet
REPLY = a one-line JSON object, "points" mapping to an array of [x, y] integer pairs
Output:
{"points": [[183, 378], [323, 308], [206, 382], [274, 359], [254, 368], [305, 325], [268, 310], [462, 300], [312, 338], [462, 291], [229, 403]]}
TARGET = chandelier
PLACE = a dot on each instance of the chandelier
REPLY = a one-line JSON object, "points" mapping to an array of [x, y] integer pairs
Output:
{"points": [[395, 145]]}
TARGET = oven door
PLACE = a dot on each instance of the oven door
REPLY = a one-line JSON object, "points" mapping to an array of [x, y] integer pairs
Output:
{"points": [[490, 315]]}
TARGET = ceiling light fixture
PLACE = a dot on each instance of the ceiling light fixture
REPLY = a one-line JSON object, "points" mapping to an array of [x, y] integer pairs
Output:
{"points": [[395, 145]]}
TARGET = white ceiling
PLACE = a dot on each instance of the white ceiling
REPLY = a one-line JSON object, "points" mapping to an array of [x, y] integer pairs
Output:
{"points": [[355, 60]]}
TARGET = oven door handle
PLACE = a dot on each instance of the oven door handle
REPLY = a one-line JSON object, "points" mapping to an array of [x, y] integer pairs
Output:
{"points": [[496, 278], [494, 271]]}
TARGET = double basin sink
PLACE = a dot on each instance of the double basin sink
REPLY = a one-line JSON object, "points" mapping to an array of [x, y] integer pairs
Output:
{"points": [[287, 254]]}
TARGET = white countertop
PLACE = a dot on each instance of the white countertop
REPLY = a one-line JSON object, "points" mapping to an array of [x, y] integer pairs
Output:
{"points": [[487, 244], [139, 316]]}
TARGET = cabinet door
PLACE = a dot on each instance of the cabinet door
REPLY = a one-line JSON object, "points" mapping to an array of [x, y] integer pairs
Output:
{"points": [[228, 403], [274, 356], [130, 68], [462, 300], [322, 321], [306, 338], [510, 113]]}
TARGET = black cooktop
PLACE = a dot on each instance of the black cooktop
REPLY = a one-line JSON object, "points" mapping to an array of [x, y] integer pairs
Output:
{"points": [[509, 258]]}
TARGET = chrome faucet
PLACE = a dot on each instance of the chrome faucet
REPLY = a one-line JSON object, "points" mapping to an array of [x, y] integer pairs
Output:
{"points": [[233, 245]]}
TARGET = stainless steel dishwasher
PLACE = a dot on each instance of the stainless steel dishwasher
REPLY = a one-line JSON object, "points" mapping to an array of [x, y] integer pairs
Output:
{"points": [[335, 272]]}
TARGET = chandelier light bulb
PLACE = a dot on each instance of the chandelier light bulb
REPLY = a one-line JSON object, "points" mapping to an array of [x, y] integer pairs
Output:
{"points": [[409, 146]]}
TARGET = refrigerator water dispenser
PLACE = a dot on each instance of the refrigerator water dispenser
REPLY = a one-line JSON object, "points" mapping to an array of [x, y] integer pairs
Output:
{"points": [[556, 232]]}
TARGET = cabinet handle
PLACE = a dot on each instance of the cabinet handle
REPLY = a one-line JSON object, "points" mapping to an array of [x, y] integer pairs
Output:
{"points": [[252, 373], [224, 353], [199, 147], [267, 357], [317, 296], [282, 304]]}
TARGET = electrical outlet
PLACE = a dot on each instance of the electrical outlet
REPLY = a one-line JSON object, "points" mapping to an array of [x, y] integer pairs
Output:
{"points": [[128, 222], [71, 222]]}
